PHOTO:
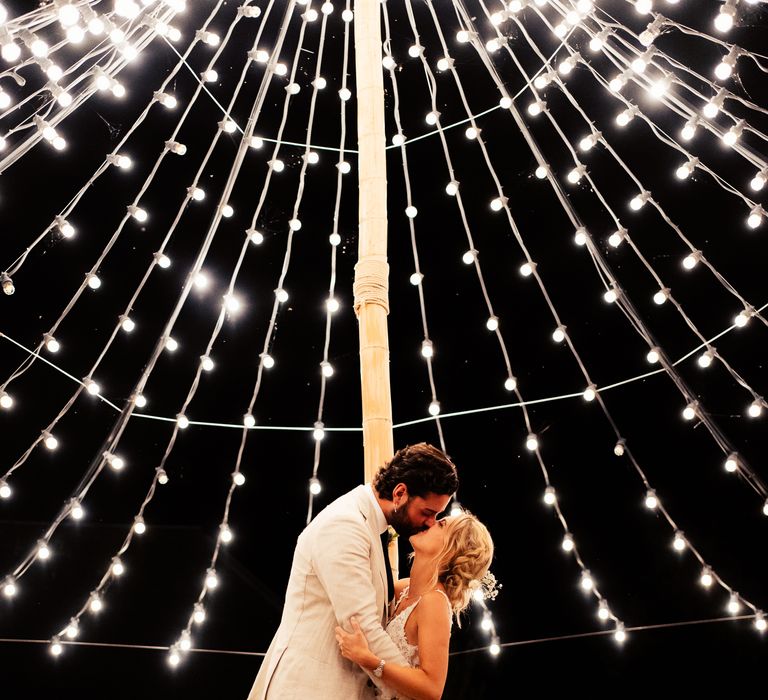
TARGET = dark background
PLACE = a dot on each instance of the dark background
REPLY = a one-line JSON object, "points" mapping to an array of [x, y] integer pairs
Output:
{"points": [[627, 548]]}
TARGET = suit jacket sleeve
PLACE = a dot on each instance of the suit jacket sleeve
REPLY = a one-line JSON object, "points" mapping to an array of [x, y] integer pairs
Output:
{"points": [[341, 557]]}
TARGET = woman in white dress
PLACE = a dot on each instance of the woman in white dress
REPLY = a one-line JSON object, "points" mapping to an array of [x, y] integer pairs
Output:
{"points": [[449, 561]]}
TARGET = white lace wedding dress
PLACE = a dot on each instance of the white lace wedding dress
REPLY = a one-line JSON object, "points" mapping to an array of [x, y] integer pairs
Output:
{"points": [[396, 630]]}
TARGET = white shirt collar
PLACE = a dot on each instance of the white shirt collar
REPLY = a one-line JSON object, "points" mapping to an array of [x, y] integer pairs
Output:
{"points": [[381, 520]]}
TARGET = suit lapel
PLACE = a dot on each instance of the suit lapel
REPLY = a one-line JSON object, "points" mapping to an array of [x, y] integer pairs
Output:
{"points": [[377, 558]]}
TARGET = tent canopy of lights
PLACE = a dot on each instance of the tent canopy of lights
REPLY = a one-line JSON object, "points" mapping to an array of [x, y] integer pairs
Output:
{"points": [[250, 143]]}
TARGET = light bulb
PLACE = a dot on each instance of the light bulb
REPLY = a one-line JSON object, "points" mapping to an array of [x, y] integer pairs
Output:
{"points": [[249, 421], [256, 142], [724, 19], [742, 319], [68, 14], [256, 237], [620, 447], [211, 579], [580, 237], [128, 325], [206, 363], [587, 142], [326, 368], [96, 604], [232, 303], [452, 188], [238, 478], [6, 400], [345, 94], [688, 131], [486, 624], [497, 204], [182, 421], [526, 269], [549, 496], [471, 133], [314, 486], [755, 409], [651, 500], [610, 296], [140, 400], [281, 295], [411, 211], [225, 534], [427, 349], [495, 648], [294, 224], [734, 605], [162, 477], [574, 176], [10, 51], [199, 614], [723, 70], [5, 490], [620, 635], [139, 526], [174, 657], [50, 441], [535, 108], [710, 110], [56, 647], [432, 118], [344, 167], [210, 76], [541, 172], [443, 64], [510, 383], [434, 408], [691, 260], [492, 324], [139, 214], [568, 544], [415, 279], [661, 296], [689, 412], [706, 578], [653, 356], [171, 344], [559, 334], [268, 361], [532, 443], [586, 583], [117, 463], [52, 345], [616, 238], [590, 393], [679, 542], [755, 217], [603, 611]]}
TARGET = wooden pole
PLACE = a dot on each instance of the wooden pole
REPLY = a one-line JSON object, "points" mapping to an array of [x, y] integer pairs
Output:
{"points": [[372, 270]]}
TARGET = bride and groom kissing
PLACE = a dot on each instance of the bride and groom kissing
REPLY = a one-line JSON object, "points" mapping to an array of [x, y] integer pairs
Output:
{"points": [[348, 630]]}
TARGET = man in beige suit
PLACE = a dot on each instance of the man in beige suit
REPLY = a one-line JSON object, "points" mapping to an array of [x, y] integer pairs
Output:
{"points": [[339, 571]]}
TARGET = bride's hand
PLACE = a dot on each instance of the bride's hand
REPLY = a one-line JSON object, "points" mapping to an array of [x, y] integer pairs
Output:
{"points": [[354, 645]]}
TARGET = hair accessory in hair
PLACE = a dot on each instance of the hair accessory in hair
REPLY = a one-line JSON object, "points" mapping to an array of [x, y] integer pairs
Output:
{"points": [[486, 588]]}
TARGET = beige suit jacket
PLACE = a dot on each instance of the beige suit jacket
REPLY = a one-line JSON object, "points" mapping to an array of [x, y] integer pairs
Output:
{"points": [[337, 572]]}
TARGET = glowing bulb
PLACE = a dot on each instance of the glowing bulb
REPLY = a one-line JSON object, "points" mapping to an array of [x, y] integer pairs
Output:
{"points": [[68, 14], [724, 19], [590, 393], [118, 569], [211, 579], [492, 324], [568, 544], [755, 217], [332, 304], [688, 131], [249, 421], [580, 237], [140, 400], [162, 477], [139, 526], [345, 94], [327, 369], [76, 510], [620, 635], [52, 345], [610, 296], [541, 172], [462, 36], [128, 325], [96, 604], [174, 658], [603, 611], [495, 648], [6, 401], [50, 441], [443, 64], [760, 623], [653, 356], [549, 496], [268, 361], [411, 212], [690, 261], [741, 320], [526, 269], [434, 408], [755, 409], [182, 421], [56, 647], [117, 463], [199, 614], [281, 295], [171, 345], [587, 584], [510, 383], [734, 605], [471, 133], [238, 478], [210, 76], [232, 303], [723, 70], [256, 237], [679, 542], [587, 142], [732, 462], [5, 490], [532, 443], [710, 110], [225, 534], [689, 412], [620, 447], [684, 171], [344, 167], [314, 486], [574, 176], [207, 364], [661, 296], [616, 238], [415, 279], [651, 500]]}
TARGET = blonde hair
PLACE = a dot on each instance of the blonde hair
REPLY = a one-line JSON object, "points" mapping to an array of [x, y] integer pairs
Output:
{"points": [[465, 557]]}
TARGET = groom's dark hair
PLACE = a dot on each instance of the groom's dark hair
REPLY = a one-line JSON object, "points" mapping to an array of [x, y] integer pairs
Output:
{"points": [[422, 468]]}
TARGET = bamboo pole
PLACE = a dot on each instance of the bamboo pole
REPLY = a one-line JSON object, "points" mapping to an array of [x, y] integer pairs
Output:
{"points": [[372, 270]]}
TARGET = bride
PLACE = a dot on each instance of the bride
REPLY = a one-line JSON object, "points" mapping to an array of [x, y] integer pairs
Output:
{"points": [[449, 561]]}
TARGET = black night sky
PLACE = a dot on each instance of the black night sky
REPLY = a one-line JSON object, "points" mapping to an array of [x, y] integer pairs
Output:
{"points": [[627, 548]]}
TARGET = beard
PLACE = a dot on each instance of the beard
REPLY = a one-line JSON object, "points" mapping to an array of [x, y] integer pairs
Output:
{"points": [[402, 524]]}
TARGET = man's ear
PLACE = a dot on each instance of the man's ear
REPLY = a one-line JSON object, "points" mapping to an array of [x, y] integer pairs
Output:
{"points": [[400, 494]]}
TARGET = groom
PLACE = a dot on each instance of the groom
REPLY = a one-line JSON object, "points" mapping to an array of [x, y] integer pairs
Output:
{"points": [[340, 570]]}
